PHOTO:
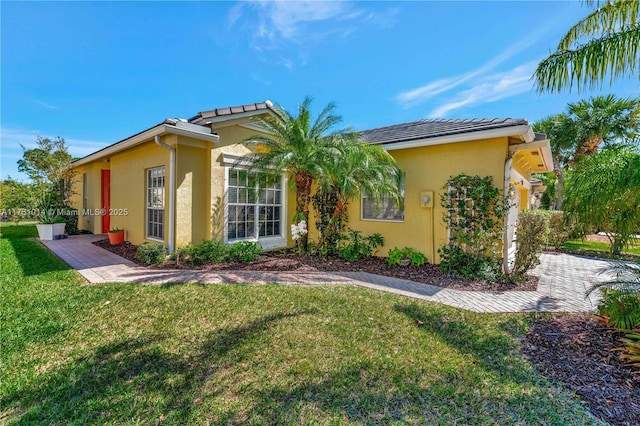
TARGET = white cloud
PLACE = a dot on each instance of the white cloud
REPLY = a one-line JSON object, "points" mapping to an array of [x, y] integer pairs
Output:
{"points": [[489, 89], [419, 95], [276, 25], [13, 138]]}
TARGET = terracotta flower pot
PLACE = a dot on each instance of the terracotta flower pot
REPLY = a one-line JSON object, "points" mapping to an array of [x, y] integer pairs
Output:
{"points": [[116, 238]]}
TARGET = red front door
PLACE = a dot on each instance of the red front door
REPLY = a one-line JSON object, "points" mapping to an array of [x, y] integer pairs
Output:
{"points": [[106, 200]]}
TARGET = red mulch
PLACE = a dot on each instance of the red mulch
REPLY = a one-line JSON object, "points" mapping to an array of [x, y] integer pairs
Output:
{"points": [[286, 260], [576, 351]]}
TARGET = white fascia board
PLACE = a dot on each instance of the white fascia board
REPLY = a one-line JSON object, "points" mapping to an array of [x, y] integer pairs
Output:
{"points": [[190, 133], [233, 116], [523, 130], [145, 137]]}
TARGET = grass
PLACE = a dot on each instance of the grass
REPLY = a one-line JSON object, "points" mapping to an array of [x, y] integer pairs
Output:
{"points": [[75, 353], [601, 249]]}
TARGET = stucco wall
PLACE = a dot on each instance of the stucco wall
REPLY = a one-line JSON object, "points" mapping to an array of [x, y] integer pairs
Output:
{"points": [[89, 220], [128, 186], [428, 169]]}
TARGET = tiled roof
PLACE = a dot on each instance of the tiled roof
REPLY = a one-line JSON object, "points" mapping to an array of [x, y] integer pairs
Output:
{"points": [[423, 129], [218, 112]]}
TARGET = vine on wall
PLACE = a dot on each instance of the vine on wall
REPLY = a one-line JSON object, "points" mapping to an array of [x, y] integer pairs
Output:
{"points": [[474, 213]]}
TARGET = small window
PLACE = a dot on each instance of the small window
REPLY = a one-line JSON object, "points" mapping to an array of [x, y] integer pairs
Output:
{"points": [[385, 209], [85, 196], [155, 203]]}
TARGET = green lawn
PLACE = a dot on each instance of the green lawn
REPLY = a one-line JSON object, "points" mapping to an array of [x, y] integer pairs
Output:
{"points": [[74, 353], [598, 248]]}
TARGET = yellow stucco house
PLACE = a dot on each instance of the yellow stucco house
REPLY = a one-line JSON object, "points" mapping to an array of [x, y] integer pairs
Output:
{"points": [[184, 181]]}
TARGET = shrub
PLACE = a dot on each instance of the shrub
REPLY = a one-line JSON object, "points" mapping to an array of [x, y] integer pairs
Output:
{"points": [[458, 263], [208, 251], [558, 229], [70, 218], [244, 251], [152, 253], [530, 236], [630, 352], [357, 246], [396, 256], [621, 301], [621, 308]]}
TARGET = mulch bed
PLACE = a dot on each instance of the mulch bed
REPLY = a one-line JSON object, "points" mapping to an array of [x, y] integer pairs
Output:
{"points": [[576, 351], [286, 260]]}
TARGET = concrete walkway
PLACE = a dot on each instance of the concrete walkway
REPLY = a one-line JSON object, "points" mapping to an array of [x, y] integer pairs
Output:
{"points": [[564, 279]]}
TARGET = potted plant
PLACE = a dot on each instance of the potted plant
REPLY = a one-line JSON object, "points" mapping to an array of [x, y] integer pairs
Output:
{"points": [[116, 236], [51, 225], [49, 167]]}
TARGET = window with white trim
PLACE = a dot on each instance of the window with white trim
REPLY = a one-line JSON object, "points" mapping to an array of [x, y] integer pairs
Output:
{"points": [[254, 205], [386, 208], [155, 203], [85, 195]]}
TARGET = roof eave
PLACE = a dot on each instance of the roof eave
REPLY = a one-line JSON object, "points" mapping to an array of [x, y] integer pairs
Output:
{"points": [[140, 138]]}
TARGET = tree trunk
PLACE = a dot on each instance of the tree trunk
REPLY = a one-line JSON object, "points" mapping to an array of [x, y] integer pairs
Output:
{"points": [[557, 170], [303, 183], [588, 147]]}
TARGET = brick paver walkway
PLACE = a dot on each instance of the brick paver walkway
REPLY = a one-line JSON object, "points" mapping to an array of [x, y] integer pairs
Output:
{"points": [[564, 279]]}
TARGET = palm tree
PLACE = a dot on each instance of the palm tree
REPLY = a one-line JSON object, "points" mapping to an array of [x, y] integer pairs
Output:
{"points": [[603, 192], [612, 48], [603, 119], [298, 145], [355, 167]]}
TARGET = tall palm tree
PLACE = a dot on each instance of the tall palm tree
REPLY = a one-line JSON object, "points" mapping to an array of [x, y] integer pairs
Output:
{"points": [[603, 119], [355, 167], [297, 144], [585, 126], [605, 43]]}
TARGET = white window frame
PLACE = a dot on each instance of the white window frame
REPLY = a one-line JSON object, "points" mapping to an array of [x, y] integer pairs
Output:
{"points": [[389, 199], [147, 172], [267, 243], [85, 196]]}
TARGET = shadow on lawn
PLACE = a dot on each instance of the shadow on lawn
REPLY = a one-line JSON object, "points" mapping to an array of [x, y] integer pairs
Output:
{"points": [[33, 258], [493, 352], [132, 380]]}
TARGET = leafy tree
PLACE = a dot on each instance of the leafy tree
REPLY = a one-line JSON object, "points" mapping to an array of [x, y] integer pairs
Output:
{"points": [[355, 167], [604, 43], [560, 131], [49, 167], [300, 145], [604, 193], [17, 199]]}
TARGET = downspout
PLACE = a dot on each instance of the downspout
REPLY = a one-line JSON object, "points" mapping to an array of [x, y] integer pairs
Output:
{"points": [[505, 246], [172, 191]]}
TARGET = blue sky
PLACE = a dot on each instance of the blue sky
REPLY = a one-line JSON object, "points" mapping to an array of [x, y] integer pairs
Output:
{"points": [[98, 72]]}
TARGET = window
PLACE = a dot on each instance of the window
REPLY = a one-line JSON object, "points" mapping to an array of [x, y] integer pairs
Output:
{"points": [[254, 206], [385, 209], [155, 203], [85, 196]]}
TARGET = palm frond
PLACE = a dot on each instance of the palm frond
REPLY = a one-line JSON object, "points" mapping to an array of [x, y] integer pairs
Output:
{"points": [[627, 278], [610, 17], [614, 55]]}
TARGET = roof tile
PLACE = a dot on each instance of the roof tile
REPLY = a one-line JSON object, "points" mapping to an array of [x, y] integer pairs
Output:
{"points": [[432, 128]]}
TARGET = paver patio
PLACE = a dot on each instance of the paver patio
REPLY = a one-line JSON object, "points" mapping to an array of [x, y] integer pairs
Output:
{"points": [[564, 279]]}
